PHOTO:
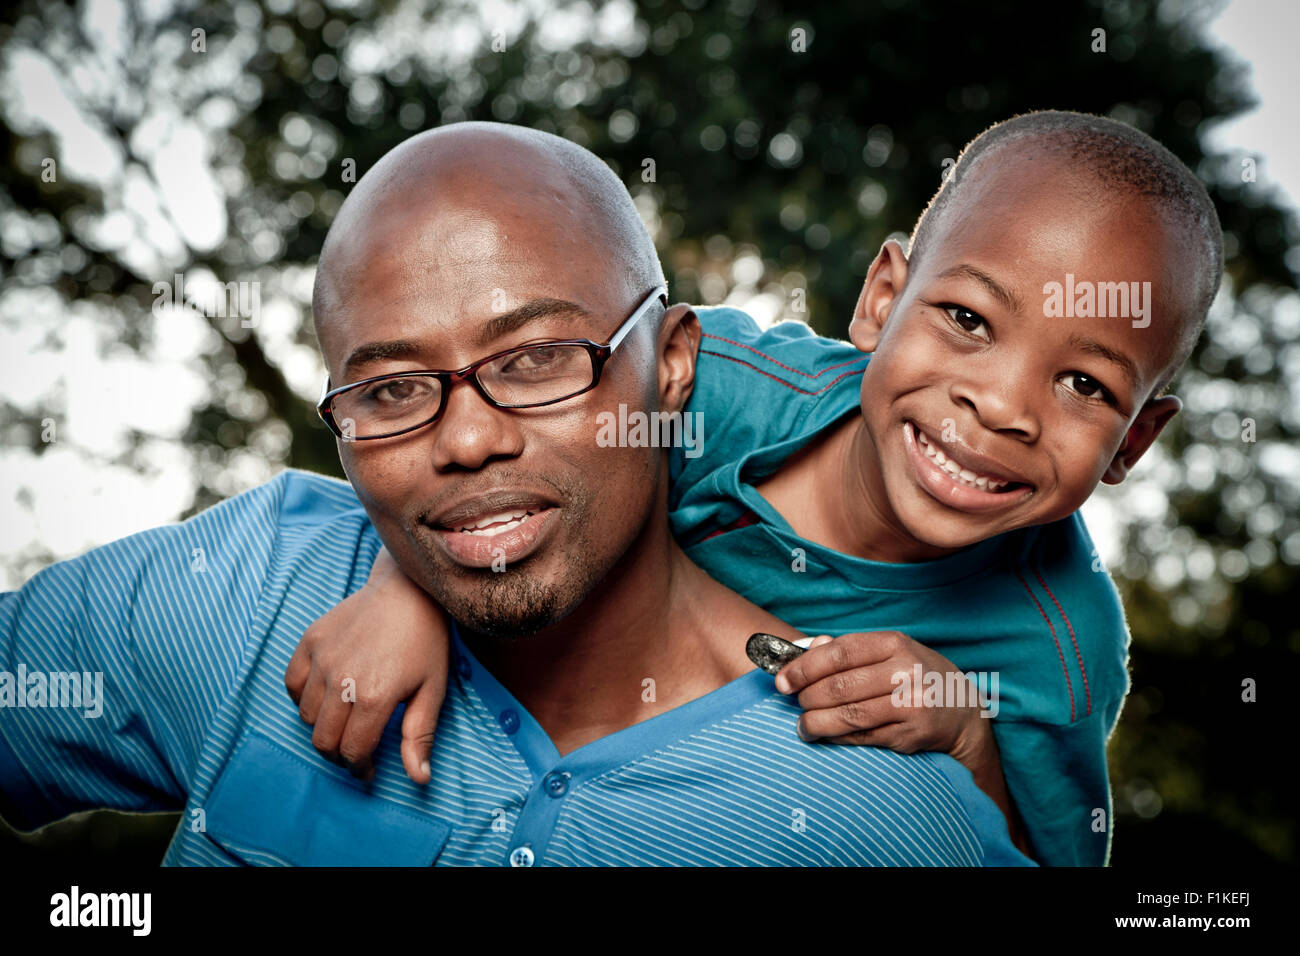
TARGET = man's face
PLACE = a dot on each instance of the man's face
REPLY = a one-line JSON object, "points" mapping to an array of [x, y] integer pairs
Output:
{"points": [[507, 517], [985, 412]]}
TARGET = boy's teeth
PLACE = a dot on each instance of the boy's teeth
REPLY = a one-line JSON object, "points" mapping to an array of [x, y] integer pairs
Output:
{"points": [[958, 473]]}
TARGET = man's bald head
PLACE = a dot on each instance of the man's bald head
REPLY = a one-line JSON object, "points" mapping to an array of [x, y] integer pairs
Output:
{"points": [[513, 175]]}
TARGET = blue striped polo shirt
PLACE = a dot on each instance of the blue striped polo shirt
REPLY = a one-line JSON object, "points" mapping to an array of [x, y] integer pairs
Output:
{"points": [[191, 627]]}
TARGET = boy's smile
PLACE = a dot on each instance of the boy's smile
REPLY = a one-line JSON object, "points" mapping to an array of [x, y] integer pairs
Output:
{"points": [[984, 411], [960, 477]]}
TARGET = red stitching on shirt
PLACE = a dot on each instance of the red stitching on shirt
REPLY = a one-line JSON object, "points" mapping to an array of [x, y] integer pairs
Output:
{"points": [[750, 348], [802, 391], [1077, 655], [744, 521], [1069, 685]]}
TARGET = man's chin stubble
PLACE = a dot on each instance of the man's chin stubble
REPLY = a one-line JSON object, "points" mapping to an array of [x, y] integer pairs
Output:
{"points": [[509, 606]]}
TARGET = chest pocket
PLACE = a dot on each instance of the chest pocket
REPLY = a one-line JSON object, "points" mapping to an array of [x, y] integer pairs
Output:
{"points": [[272, 806]]}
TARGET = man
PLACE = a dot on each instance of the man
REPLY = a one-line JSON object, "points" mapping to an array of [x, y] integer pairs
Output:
{"points": [[603, 709]]}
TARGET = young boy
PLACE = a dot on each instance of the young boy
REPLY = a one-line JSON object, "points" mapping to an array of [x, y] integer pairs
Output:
{"points": [[916, 493]]}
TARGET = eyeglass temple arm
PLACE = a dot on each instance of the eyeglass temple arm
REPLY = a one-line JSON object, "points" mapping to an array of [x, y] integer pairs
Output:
{"points": [[659, 293]]}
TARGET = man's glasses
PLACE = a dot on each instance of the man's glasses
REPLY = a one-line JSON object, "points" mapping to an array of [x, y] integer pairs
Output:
{"points": [[526, 377]]}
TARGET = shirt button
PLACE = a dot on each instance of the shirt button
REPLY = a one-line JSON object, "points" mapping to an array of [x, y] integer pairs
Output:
{"points": [[509, 721], [462, 668], [521, 856], [556, 784]]}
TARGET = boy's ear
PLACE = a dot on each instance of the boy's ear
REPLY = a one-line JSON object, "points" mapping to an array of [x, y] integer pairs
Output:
{"points": [[679, 346], [1148, 425], [881, 289]]}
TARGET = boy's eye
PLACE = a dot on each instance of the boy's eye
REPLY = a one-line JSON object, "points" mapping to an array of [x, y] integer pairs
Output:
{"points": [[1087, 386], [967, 320]]}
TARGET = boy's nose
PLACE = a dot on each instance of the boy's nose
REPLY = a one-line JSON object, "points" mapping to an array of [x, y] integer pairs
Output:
{"points": [[999, 405]]}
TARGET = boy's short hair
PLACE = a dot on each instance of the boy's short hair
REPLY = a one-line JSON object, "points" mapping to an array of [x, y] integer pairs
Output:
{"points": [[1120, 156]]}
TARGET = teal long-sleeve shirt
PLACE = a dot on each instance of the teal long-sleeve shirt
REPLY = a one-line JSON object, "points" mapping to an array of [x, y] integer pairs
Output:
{"points": [[1033, 609]]}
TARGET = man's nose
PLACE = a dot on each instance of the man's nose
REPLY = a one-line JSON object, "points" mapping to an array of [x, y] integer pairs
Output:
{"points": [[1000, 400], [473, 432]]}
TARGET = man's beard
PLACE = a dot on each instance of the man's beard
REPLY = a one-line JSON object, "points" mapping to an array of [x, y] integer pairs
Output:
{"points": [[514, 603], [506, 605]]}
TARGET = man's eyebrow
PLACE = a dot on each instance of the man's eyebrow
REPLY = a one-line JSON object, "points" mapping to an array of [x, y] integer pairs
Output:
{"points": [[377, 351], [497, 326], [1008, 299], [531, 310], [1125, 364]]}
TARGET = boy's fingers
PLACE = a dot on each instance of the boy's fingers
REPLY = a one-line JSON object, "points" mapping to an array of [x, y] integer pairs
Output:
{"points": [[847, 718], [840, 654], [845, 687], [418, 725]]}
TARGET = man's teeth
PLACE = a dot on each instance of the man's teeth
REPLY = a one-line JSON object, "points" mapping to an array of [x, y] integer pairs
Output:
{"points": [[496, 524], [956, 471]]}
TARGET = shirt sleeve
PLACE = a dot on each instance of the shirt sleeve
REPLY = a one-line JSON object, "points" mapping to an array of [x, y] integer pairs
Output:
{"points": [[757, 387], [1058, 780], [113, 664]]}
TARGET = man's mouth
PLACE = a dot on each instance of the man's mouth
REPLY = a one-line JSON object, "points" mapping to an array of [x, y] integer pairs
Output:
{"points": [[960, 477], [493, 530]]}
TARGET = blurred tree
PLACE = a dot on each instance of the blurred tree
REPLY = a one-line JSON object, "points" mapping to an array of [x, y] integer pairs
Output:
{"points": [[772, 147]]}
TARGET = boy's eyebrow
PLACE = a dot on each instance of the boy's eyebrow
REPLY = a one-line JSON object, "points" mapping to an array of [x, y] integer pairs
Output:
{"points": [[1008, 299], [1124, 363]]}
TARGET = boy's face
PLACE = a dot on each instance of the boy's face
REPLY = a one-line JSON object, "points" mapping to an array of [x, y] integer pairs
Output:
{"points": [[987, 408]]}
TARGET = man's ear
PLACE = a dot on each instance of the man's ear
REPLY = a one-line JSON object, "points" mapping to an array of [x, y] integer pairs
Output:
{"points": [[883, 285], [679, 344], [1148, 425]]}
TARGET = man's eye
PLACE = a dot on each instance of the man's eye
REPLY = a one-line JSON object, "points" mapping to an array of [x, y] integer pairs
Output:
{"points": [[546, 359], [394, 392], [968, 321], [534, 358], [1087, 386]]}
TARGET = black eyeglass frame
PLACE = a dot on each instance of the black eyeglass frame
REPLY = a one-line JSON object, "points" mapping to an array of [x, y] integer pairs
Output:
{"points": [[600, 354]]}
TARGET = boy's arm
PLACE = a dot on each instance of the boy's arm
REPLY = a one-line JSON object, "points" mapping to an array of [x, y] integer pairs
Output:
{"points": [[387, 643]]}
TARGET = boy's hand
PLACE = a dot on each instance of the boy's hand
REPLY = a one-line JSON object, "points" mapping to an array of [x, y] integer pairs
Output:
{"points": [[847, 689], [386, 644]]}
